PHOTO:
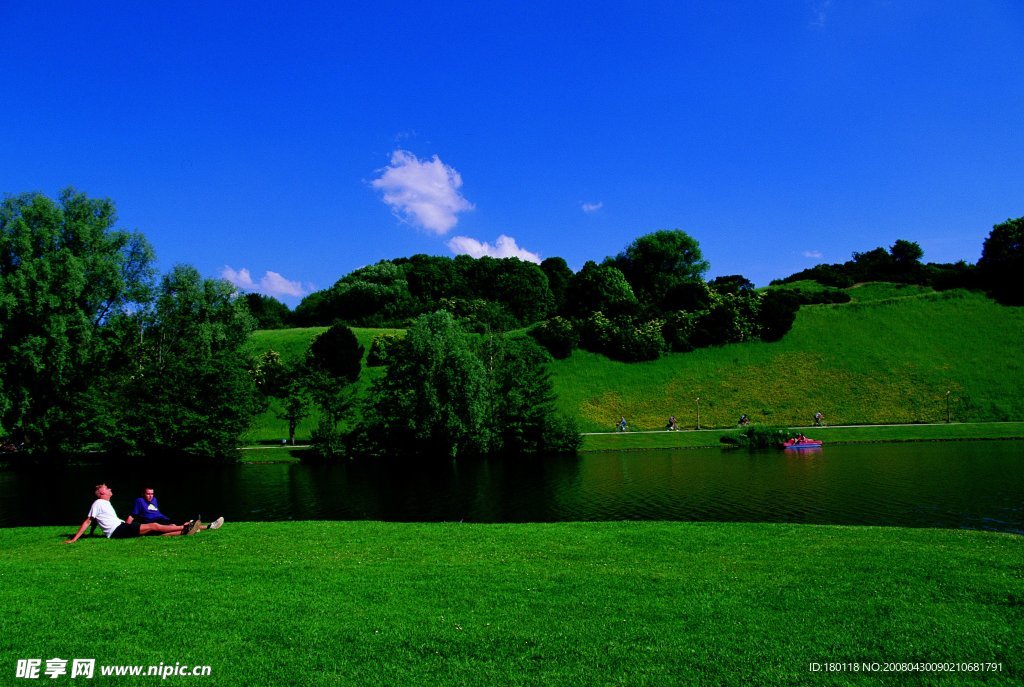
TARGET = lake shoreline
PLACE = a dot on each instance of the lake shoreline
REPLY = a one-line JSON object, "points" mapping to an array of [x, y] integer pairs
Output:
{"points": [[609, 442]]}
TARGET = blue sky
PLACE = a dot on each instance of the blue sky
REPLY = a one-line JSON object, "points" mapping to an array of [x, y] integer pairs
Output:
{"points": [[285, 146]]}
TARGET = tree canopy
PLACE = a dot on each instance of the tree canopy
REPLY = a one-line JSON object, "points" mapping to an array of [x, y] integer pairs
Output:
{"points": [[192, 391], [66, 273], [95, 355], [1002, 261], [268, 312], [447, 394], [657, 264]]}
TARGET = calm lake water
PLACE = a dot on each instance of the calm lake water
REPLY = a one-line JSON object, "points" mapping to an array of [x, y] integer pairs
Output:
{"points": [[976, 485]]}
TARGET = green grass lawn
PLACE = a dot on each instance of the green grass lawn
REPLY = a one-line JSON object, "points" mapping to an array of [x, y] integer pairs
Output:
{"points": [[367, 603]]}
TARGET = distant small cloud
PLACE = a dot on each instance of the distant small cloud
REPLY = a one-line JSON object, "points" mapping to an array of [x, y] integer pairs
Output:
{"points": [[424, 193], [819, 11], [504, 247], [271, 284], [591, 208], [813, 254]]}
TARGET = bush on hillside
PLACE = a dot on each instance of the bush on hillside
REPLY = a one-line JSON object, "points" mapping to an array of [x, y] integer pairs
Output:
{"points": [[479, 315], [728, 319], [380, 350], [622, 339], [557, 335], [778, 313], [756, 436], [678, 331], [642, 341]]}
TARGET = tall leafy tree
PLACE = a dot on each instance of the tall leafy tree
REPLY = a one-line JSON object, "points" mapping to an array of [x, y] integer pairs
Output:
{"points": [[523, 288], [558, 274], [268, 312], [906, 254], [333, 362], [432, 278], [434, 399], [660, 265], [447, 394], [522, 411], [1002, 261], [599, 288], [66, 275], [193, 391]]}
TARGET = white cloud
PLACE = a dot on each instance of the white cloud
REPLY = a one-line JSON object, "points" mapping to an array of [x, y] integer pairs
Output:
{"points": [[590, 208], [504, 247], [820, 10], [424, 193], [815, 254], [272, 283]]}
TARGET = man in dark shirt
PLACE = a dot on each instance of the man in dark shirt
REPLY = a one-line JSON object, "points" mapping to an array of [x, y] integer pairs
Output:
{"points": [[147, 510]]}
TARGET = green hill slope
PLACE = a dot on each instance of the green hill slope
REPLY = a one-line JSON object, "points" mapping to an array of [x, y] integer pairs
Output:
{"points": [[889, 356], [869, 361]]}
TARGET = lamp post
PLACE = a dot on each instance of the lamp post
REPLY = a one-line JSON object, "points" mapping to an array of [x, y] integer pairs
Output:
{"points": [[698, 412], [947, 406]]}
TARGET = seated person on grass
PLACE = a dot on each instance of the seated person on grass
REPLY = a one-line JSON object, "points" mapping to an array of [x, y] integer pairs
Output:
{"points": [[147, 510], [103, 513]]}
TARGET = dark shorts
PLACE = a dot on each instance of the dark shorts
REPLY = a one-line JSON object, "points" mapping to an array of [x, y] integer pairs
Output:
{"points": [[126, 531]]}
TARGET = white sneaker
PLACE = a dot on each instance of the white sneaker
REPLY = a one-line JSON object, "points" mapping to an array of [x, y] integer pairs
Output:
{"points": [[217, 523]]}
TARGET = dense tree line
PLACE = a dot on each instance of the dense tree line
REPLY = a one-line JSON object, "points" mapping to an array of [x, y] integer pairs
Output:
{"points": [[486, 294], [997, 272], [97, 353], [649, 299], [900, 263], [652, 298]]}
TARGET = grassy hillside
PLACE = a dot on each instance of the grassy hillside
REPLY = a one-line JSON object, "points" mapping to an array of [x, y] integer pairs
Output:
{"points": [[889, 356], [624, 603], [881, 359]]}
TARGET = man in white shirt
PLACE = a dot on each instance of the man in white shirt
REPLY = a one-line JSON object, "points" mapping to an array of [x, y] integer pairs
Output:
{"points": [[104, 515]]}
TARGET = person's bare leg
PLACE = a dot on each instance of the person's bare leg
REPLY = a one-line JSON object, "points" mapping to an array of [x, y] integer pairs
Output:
{"points": [[166, 530]]}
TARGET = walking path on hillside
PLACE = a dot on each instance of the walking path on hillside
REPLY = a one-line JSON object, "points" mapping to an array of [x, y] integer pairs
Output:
{"points": [[811, 427]]}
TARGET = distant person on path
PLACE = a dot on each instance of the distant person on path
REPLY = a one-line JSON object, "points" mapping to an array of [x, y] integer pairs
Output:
{"points": [[622, 424], [744, 420], [115, 528], [819, 419], [672, 425], [147, 510]]}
